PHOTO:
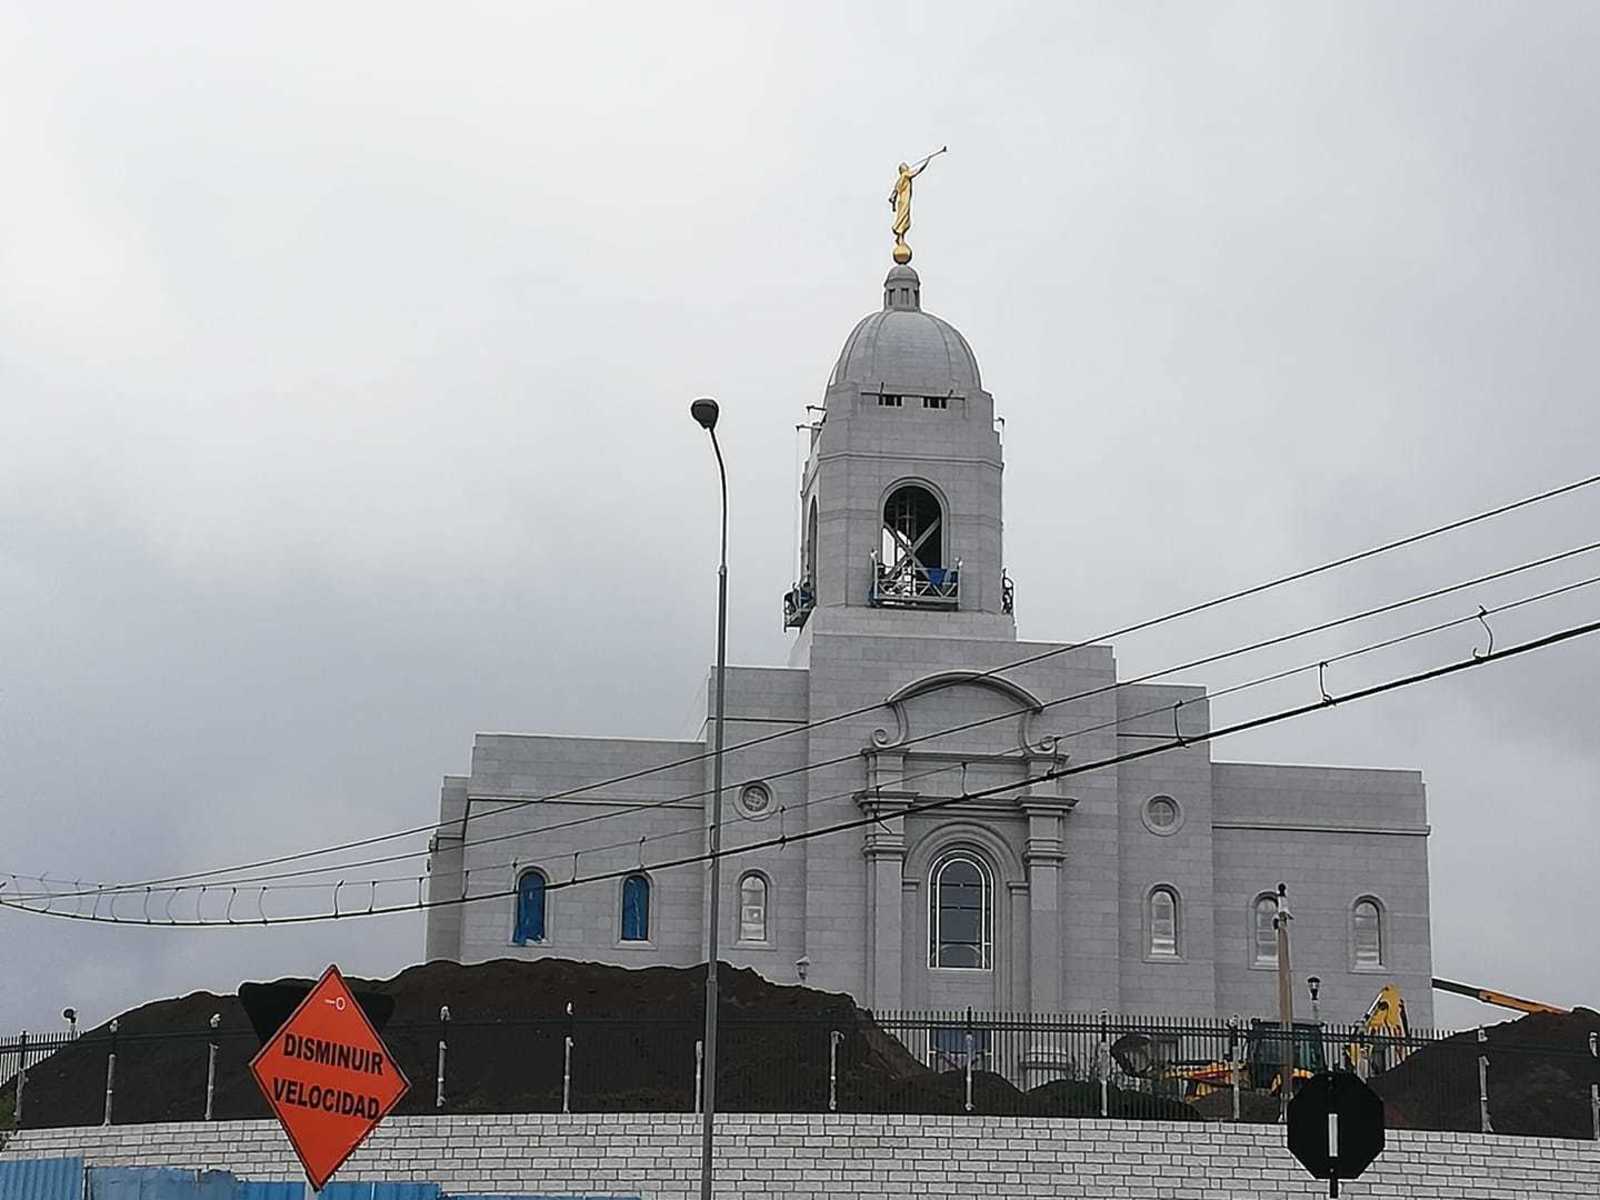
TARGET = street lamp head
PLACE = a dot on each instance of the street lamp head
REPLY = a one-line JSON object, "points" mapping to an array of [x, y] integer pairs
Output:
{"points": [[705, 411], [1315, 984], [69, 1014]]}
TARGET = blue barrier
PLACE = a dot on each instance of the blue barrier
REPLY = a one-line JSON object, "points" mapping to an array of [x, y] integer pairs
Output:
{"points": [[41, 1179], [66, 1179], [160, 1183], [259, 1190]]}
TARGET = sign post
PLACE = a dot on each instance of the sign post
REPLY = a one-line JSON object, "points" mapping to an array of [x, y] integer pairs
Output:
{"points": [[1335, 1127], [328, 1077]]}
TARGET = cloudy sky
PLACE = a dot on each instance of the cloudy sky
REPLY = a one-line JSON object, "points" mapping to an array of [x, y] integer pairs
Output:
{"points": [[345, 355]]}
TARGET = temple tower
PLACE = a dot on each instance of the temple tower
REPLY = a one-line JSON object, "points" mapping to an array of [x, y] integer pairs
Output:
{"points": [[901, 492]]}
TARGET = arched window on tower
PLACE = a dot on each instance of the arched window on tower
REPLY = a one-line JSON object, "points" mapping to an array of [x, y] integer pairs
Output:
{"points": [[636, 909], [530, 908], [909, 568], [810, 577], [960, 913], [802, 598]]}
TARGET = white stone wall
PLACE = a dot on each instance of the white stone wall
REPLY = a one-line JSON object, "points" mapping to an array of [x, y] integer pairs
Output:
{"points": [[853, 906], [1333, 834], [656, 1156]]}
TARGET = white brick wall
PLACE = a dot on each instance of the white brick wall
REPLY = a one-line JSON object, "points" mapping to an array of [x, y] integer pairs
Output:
{"points": [[656, 1155]]}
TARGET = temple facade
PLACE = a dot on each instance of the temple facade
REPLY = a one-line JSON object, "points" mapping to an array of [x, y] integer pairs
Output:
{"points": [[1051, 878]]}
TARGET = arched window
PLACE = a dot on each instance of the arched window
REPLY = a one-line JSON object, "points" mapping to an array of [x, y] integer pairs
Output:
{"points": [[810, 564], [911, 563], [530, 908], [636, 909], [1367, 925], [960, 913], [1266, 934], [1163, 923], [913, 529], [753, 907]]}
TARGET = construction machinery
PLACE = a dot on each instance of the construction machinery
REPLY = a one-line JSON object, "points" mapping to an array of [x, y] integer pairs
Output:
{"points": [[1500, 999], [1385, 1037], [1382, 1043], [1155, 1057]]}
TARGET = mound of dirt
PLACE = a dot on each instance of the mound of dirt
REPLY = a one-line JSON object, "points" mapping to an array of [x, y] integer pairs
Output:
{"points": [[1255, 1107], [1540, 1069], [633, 1047], [633, 1040]]}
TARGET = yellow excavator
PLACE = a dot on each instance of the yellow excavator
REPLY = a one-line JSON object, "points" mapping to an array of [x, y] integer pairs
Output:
{"points": [[1501, 999], [1385, 1024], [1386, 1021]]}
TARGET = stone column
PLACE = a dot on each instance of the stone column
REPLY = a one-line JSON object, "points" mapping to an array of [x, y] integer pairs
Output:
{"points": [[886, 858], [885, 851], [1043, 856]]}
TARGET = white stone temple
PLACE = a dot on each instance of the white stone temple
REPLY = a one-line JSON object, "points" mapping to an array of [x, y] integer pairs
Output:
{"points": [[1144, 887]]}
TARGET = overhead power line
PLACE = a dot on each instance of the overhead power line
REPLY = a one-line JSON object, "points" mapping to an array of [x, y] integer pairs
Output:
{"points": [[1064, 771], [1189, 610], [224, 879]]}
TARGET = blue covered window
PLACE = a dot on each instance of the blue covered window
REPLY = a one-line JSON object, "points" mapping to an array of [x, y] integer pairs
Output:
{"points": [[530, 908], [636, 909]]}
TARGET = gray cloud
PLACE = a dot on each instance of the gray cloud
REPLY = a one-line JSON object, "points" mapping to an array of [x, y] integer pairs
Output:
{"points": [[343, 360]]}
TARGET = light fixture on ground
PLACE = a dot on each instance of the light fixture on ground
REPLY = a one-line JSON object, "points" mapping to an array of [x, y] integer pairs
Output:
{"points": [[705, 411]]}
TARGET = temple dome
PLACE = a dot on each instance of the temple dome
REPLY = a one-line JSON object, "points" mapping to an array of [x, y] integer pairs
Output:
{"points": [[904, 350]]}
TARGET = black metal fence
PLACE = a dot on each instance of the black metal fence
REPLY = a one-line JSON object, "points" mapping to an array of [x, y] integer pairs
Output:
{"points": [[901, 1062]]}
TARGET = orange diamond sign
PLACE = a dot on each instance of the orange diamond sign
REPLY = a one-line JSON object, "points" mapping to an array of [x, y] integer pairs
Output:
{"points": [[328, 1077]]}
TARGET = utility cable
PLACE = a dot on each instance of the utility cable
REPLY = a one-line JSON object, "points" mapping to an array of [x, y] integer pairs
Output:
{"points": [[630, 809], [1060, 772], [1140, 626]]}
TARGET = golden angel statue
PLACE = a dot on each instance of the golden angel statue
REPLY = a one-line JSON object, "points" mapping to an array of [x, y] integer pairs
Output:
{"points": [[900, 201]]}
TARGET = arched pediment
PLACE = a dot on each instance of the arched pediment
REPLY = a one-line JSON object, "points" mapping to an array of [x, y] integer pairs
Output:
{"points": [[999, 704], [944, 679]]}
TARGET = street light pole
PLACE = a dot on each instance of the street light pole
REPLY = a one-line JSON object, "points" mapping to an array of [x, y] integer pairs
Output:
{"points": [[705, 411]]}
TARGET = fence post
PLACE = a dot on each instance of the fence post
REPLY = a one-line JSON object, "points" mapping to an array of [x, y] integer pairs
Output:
{"points": [[834, 1037], [1105, 1063], [1594, 1090], [699, 1067], [444, 1032], [566, 1076], [22, 1074], [1233, 1061], [211, 1064], [566, 1064], [1483, 1083], [968, 1037], [111, 1072]]}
